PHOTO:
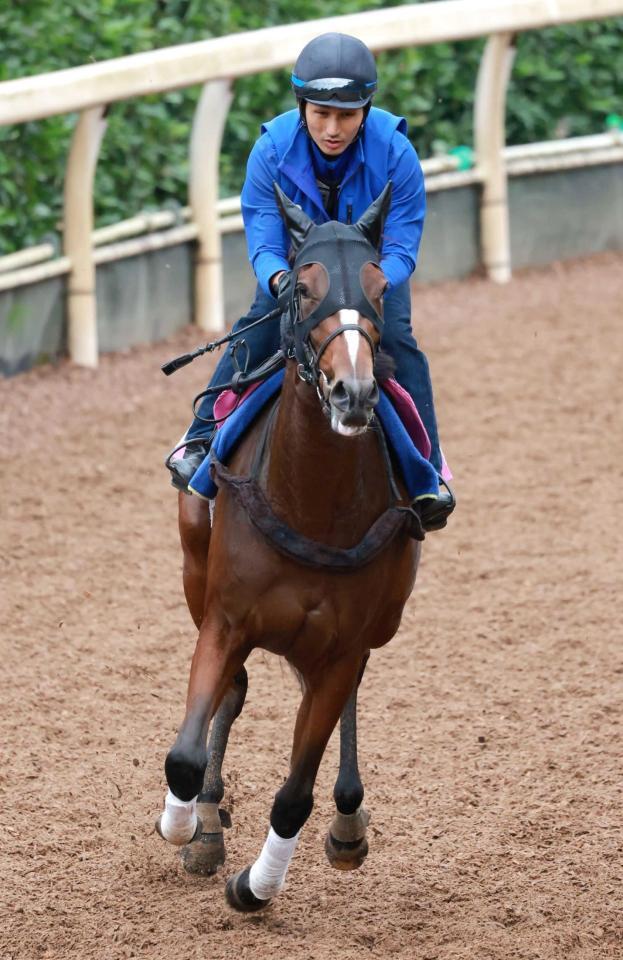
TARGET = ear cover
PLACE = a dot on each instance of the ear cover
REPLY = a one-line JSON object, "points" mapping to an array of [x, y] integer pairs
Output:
{"points": [[372, 222], [298, 224]]}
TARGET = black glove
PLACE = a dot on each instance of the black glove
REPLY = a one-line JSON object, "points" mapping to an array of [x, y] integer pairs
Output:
{"points": [[284, 290]]}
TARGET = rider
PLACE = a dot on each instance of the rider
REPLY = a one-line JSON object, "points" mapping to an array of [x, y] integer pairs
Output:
{"points": [[332, 156]]}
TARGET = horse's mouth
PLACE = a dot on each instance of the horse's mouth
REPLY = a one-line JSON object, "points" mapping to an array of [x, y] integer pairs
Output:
{"points": [[348, 429]]}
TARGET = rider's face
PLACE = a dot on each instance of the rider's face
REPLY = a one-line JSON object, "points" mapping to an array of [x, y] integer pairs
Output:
{"points": [[331, 129]]}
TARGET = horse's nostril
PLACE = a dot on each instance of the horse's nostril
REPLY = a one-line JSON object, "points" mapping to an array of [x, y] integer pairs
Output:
{"points": [[359, 393], [341, 395], [354, 400]]}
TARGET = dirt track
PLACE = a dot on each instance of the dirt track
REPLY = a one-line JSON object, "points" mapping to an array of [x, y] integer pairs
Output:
{"points": [[490, 727]]}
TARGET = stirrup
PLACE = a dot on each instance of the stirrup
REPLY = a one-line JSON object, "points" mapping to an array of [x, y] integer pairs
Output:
{"points": [[434, 513]]}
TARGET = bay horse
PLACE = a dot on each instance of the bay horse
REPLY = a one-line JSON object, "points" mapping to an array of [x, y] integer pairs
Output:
{"points": [[309, 556]]}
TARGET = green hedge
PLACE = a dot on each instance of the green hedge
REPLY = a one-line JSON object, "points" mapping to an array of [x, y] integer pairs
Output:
{"points": [[565, 81]]}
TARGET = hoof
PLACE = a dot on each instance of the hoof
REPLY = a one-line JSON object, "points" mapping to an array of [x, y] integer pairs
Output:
{"points": [[240, 896], [194, 837], [345, 855], [206, 853], [346, 846]]}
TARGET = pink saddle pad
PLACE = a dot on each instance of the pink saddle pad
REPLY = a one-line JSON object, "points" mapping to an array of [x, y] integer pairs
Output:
{"points": [[228, 401], [412, 422]]}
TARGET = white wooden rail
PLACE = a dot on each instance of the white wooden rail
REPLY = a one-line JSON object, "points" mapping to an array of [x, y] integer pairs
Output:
{"points": [[215, 63]]}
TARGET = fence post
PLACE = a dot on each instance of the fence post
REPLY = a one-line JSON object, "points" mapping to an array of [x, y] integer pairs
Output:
{"points": [[205, 148], [77, 229], [490, 139]]}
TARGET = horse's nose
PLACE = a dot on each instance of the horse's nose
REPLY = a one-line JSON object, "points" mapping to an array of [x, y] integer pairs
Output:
{"points": [[355, 399]]}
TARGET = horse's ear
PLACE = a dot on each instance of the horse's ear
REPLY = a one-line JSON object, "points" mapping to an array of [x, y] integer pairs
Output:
{"points": [[372, 222], [298, 224]]}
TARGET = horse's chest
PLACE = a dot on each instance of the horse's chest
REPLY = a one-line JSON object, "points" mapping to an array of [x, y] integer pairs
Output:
{"points": [[321, 615]]}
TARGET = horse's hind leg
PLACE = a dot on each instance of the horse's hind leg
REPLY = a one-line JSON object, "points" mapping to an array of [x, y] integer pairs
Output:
{"points": [[346, 846], [322, 704], [206, 854]]}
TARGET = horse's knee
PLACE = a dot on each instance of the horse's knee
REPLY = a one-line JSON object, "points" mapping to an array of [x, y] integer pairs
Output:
{"points": [[348, 794], [290, 811], [184, 768]]}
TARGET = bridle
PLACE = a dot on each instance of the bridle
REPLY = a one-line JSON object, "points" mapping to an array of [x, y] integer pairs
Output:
{"points": [[343, 252], [308, 368]]}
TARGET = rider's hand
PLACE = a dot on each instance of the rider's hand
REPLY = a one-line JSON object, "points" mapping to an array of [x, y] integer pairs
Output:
{"points": [[281, 285]]}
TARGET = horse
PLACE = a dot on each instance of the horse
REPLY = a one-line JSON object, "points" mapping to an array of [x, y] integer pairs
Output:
{"points": [[311, 555]]}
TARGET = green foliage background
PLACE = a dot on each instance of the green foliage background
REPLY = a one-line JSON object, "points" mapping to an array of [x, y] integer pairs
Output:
{"points": [[565, 81]]}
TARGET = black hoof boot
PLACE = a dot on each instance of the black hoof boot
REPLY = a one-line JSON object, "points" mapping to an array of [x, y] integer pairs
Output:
{"points": [[240, 896]]}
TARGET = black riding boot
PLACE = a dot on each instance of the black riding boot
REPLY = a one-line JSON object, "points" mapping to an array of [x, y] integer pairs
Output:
{"points": [[183, 467], [434, 513]]}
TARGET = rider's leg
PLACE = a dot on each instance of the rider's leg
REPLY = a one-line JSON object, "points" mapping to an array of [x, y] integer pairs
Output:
{"points": [[413, 374], [412, 371], [262, 341]]}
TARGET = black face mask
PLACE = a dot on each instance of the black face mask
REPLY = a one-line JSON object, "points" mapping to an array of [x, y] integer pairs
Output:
{"points": [[343, 250]]}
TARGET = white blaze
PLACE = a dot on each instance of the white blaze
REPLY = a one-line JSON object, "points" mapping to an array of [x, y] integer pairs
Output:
{"points": [[353, 339]]}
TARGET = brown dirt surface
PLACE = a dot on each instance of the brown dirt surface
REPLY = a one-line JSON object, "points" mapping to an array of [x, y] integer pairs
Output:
{"points": [[489, 728]]}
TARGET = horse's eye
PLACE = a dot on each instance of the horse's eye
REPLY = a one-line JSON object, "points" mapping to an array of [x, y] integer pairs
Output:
{"points": [[303, 290]]}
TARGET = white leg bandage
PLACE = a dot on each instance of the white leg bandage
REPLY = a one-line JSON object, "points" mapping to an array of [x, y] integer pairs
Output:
{"points": [[179, 820], [268, 873]]}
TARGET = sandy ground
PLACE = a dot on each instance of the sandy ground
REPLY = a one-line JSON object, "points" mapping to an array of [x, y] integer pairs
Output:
{"points": [[490, 727]]}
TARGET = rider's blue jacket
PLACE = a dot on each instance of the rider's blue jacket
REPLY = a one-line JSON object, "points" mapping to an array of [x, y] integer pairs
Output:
{"points": [[382, 152]]}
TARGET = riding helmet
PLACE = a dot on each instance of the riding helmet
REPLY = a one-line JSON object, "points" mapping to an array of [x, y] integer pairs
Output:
{"points": [[335, 70]]}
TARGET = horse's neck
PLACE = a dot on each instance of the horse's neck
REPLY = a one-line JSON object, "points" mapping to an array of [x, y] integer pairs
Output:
{"points": [[329, 488]]}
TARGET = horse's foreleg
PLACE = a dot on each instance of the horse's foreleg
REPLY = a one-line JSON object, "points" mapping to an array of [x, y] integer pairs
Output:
{"points": [[346, 845], [215, 662], [322, 704], [207, 853]]}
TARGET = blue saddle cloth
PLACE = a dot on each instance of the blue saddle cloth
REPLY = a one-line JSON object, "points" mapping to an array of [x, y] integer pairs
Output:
{"points": [[418, 474]]}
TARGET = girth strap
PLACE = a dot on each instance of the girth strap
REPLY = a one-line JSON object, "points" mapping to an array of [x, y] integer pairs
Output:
{"points": [[287, 541]]}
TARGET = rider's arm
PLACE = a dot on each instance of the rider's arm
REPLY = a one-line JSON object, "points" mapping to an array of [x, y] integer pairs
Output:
{"points": [[267, 240], [403, 228]]}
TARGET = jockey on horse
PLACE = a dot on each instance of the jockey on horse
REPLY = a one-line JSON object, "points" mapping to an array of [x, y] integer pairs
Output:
{"points": [[332, 157]]}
